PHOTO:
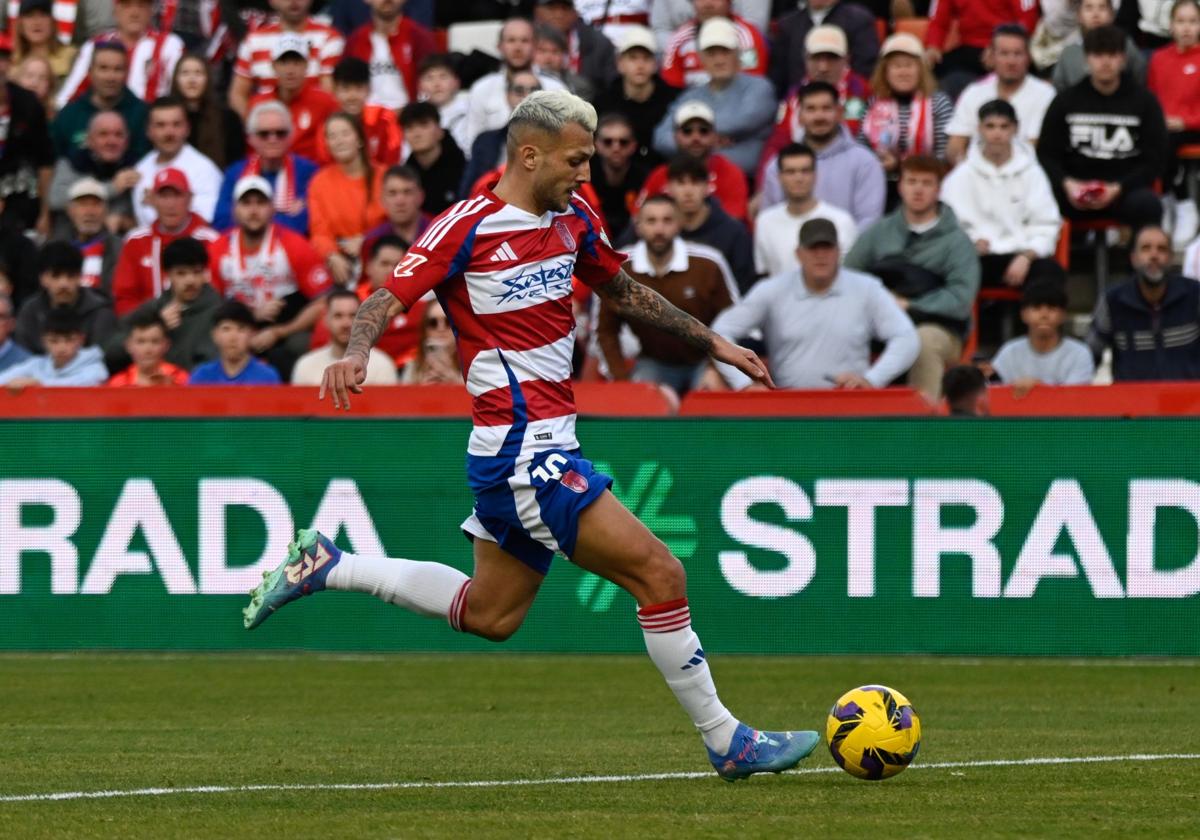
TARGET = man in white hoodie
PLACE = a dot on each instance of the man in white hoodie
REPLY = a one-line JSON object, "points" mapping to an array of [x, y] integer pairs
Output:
{"points": [[1004, 203]]}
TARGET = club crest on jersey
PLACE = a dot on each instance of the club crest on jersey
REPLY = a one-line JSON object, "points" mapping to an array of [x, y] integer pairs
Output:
{"points": [[574, 481], [564, 233], [544, 281]]}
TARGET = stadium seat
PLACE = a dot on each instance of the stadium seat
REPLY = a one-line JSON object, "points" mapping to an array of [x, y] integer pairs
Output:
{"points": [[483, 35], [881, 30], [919, 26]]}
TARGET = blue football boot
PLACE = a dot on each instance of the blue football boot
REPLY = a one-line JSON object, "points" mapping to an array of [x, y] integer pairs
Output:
{"points": [[753, 751], [310, 557]]}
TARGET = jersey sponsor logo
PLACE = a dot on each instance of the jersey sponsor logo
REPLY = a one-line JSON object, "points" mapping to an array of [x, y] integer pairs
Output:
{"points": [[564, 233], [545, 281], [408, 265]]}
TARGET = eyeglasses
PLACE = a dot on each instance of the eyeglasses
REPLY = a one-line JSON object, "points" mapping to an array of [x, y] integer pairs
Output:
{"points": [[702, 130], [271, 134], [522, 90], [623, 142], [436, 323]]}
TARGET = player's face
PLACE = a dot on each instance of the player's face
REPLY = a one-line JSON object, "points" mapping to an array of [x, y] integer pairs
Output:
{"points": [[402, 200], [253, 212], [637, 66], [563, 166], [86, 215], [919, 191], [1010, 58], [797, 176], [168, 129], [146, 346], [903, 73], [340, 319], [657, 226], [187, 281], [438, 85]]}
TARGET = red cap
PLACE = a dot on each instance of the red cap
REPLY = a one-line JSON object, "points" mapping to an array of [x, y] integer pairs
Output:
{"points": [[6, 44], [173, 178]]}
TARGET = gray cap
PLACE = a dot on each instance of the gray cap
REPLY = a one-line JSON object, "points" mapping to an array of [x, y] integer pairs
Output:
{"points": [[818, 232], [87, 187]]}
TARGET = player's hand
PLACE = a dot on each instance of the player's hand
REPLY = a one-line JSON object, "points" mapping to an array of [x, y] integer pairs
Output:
{"points": [[343, 378], [746, 361]]}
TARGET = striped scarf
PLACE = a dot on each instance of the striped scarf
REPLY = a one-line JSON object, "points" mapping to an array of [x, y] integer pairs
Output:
{"points": [[63, 11]]}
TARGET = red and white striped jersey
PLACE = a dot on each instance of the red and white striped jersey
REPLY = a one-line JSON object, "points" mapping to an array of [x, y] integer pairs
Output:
{"points": [[503, 277], [283, 264], [151, 65], [325, 45]]}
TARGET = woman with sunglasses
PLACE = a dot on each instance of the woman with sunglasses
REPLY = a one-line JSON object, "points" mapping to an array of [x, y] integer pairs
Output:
{"points": [[216, 129], [436, 362]]}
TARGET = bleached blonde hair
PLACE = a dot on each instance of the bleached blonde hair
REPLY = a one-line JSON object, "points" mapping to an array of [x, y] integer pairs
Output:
{"points": [[550, 111]]}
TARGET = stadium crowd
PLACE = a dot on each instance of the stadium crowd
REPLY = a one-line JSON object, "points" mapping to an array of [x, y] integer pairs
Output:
{"points": [[200, 192]]}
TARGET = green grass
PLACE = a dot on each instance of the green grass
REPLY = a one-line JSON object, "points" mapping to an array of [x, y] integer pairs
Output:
{"points": [[96, 722]]}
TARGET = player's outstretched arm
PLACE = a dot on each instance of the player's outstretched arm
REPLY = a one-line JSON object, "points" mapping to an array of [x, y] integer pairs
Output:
{"points": [[640, 303], [345, 376]]}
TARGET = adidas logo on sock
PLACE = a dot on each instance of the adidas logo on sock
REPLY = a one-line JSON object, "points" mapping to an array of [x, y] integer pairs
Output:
{"points": [[503, 253], [696, 659]]}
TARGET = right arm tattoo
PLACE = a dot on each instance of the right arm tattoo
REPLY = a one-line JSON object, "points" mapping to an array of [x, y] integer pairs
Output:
{"points": [[641, 303], [370, 322]]}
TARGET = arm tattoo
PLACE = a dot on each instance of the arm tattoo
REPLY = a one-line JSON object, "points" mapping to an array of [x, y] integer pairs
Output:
{"points": [[370, 322], [640, 303]]}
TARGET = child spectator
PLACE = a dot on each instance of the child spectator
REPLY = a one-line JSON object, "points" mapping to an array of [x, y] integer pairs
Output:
{"points": [[351, 88], [33, 73], [233, 328], [60, 266], [340, 308], [66, 360], [147, 345], [1044, 356], [966, 392], [1072, 68], [1175, 79], [35, 36]]}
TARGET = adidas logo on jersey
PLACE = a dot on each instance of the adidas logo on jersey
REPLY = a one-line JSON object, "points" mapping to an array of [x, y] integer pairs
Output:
{"points": [[503, 253]]}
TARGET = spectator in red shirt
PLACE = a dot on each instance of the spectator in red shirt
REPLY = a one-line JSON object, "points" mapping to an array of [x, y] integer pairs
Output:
{"points": [[1174, 78], [393, 47], [681, 59], [147, 345], [309, 104], [351, 88], [976, 20]]}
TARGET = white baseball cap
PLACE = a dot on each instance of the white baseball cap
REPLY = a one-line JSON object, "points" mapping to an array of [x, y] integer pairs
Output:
{"points": [[252, 183], [694, 111], [289, 42], [87, 187], [718, 32], [638, 37], [826, 38]]}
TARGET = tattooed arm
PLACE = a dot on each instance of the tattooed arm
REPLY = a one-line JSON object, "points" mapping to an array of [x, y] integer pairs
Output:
{"points": [[345, 376], [639, 303]]}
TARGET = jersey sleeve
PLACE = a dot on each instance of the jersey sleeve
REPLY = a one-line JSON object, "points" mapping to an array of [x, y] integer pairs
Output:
{"points": [[598, 261], [442, 251], [241, 67]]}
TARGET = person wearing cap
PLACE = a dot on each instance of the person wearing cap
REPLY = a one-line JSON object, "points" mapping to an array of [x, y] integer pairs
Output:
{"points": [[1010, 80], [167, 129], [393, 45], [818, 320], [743, 105], [27, 162], [587, 51], [107, 157], [702, 220], [551, 58], [36, 35], [789, 58], [696, 137], [83, 225], [60, 273], [638, 92], [106, 91], [683, 65], [309, 103], [139, 276], [152, 54], [254, 70], [976, 21]]}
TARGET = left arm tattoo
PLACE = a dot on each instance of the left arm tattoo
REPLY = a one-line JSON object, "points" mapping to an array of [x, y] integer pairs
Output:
{"points": [[640, 303]]}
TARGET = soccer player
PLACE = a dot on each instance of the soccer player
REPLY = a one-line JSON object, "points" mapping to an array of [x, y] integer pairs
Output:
{"points": [[502, 263]]}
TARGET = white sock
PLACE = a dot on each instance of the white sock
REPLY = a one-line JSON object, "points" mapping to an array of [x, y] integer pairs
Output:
{"points": [[674, 647], [424, 588]]}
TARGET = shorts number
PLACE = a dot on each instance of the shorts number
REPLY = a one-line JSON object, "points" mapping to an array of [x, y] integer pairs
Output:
{"points": [[549, 470]]}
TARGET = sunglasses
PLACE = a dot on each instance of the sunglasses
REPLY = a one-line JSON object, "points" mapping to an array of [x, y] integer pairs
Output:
{"points": [[435, 323], [271, 134], [522, 90], [702, 130], [623, 142]]}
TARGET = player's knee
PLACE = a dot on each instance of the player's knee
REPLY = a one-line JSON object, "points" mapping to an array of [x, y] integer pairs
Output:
{"points": [[494, 628], [665, 578]]}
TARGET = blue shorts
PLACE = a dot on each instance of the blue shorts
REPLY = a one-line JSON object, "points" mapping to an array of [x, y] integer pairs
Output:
{"points": [[537, 512]]}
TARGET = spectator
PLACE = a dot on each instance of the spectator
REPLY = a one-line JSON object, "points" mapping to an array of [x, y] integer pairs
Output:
{"points": [[1175, 80], [743, 105], [439, 85], [849, 175], [1151, 322], [152, 55], [26, 155], [1105, 140], [167, 128], [232, 333], [106, 92], [551, 59], [436, 158], [1011, 81], [696, 138], [818, 321], [618, 172], [66, 360], [139, 276], [1148, 21], [666, 16], [307, 101], [60, 269], [436, 359], [488, 151], [966, 392], [693, 277], [273, 270], [214, 128], [907, 115], [351, 85], [588, 52], [1072, 69], [269, 133], [930, 266], [1058, 25], [683, 66], [1044, 356], [393, 47], [789, 61], [11, 353], [340, 308], [702, 219], [489, 106], [616, 17], [106, 157], [978, 21], [87, 210], [1004, 202], [33, 74], [777, 229], [35, 36], [638, 92], [147, 345], [186, 307], [254, 72], [402, 198]]}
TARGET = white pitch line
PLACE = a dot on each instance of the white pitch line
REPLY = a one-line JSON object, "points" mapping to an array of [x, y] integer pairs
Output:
{"points": [[563, 780]]}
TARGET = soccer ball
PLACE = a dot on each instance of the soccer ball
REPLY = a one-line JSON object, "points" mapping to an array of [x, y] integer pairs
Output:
{"points": [[873, 732]]}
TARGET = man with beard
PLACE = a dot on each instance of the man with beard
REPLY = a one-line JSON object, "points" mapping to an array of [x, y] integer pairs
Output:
{"points": [[106, 92], [696, 137], [1152, 321], [168, 130]]}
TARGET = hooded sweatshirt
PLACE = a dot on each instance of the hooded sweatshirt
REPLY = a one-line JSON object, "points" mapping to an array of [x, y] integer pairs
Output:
{"points": [[1011, 206], [85, 369], [93, 309], [849, 176]]}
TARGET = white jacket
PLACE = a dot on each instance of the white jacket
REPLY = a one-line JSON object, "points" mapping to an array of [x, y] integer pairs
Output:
{"points": [[1011, 206]]}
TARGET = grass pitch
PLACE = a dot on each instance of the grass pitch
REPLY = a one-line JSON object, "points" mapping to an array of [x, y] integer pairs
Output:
{"points": [[120, 722]]}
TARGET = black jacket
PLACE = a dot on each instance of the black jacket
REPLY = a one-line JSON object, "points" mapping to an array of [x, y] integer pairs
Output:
{"points": [[26, 150], [787, 52], [730, 237], [93, 309], [1150, 343], [644, 115], [440, 181], [191, 341]]}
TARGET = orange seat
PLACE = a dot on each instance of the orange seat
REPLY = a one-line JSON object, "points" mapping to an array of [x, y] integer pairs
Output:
{"points": [[919, 26], [1189, 152], [881, 29]]}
